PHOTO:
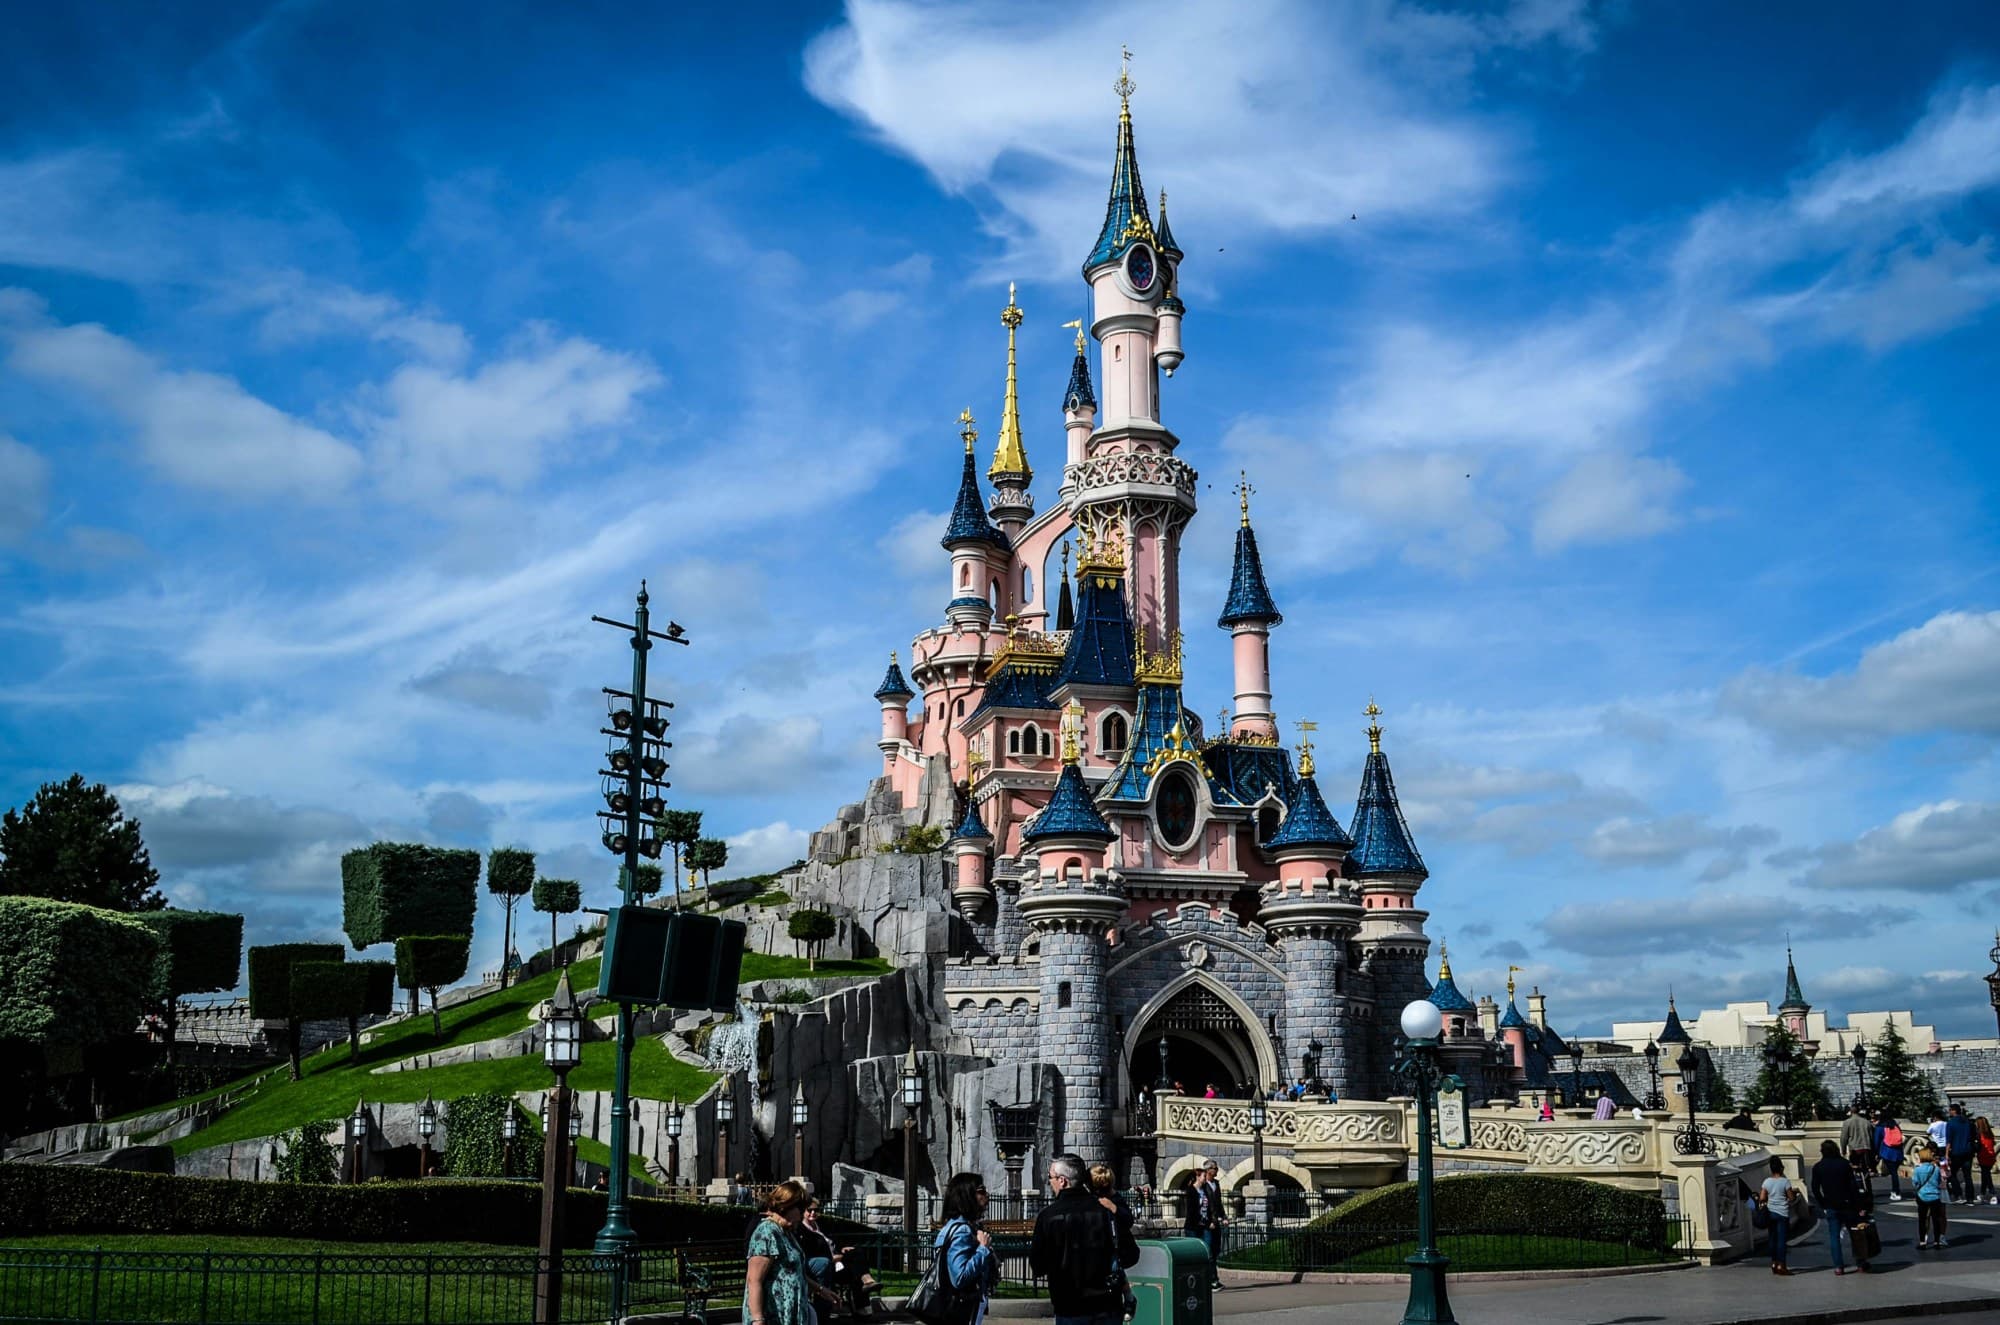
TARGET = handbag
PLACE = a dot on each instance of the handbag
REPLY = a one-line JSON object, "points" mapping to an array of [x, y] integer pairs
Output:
{"points": [[936, 1300], [1866, 1240], [1760, 1218]]}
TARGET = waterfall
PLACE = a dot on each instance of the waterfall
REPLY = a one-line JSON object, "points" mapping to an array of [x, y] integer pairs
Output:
{"points": [[732, 1045]]}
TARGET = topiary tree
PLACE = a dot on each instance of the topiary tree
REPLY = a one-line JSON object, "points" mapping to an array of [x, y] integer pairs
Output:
{"points": [[351, 990], [72, 843], [707, 855], [558, 897], [679, 829], [72, 974], [201, 952], [308, 1156], [510, 876], [391, 889], [1895, 1084], [651, 878], [271, 988], [812, 928], [1798, 1085], [430, 962]]}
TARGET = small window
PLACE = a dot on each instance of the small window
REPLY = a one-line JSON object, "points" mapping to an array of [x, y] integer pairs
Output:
{"points": [[1014, 741], [1027, 586], [961, 708], [1062, 994], [1113, 733], [1045, 743], [1176, 809], [993, 595], [965, 576], [1267, 821]]}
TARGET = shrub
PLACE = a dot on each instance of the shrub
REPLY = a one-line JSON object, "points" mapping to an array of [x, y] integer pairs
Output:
{"points": [[812, 928], [650, 878], [475, 1146], [430, 962], [72, 843], [201, 952], [395, 888], [345, 990], [558, 897], [309, 1156], [37, 1199], [71, 973], [918, 840], [1501, 1203]]}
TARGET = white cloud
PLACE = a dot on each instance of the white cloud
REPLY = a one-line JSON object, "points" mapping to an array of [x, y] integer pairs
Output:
{"points": [[298, 308], [912, 544], [200, 429], [1704, 922], [24, 482], [762, 850], [1608, 498], [1941, 676], [1932, 848]]}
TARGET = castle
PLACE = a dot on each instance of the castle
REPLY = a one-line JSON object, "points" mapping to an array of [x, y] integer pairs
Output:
{"points": [[1142, 901]]}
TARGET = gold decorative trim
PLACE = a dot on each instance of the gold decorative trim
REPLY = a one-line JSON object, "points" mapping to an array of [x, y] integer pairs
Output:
{"points": [[1176, 749], [1162, 668]]}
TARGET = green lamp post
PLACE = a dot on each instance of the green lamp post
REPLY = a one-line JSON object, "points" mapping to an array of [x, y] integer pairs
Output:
{"points": [[1419, 1065]]}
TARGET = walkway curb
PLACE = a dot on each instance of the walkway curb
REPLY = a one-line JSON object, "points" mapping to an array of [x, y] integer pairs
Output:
{"points": [[1254, 1278], [1885, 1311]]}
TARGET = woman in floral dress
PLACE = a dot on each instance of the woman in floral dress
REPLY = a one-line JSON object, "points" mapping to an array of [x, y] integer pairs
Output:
{"points": [[775, 1288]]}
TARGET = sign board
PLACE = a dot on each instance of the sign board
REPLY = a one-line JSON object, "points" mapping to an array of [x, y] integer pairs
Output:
{"points": [[1454, 1125], [678, 958]]}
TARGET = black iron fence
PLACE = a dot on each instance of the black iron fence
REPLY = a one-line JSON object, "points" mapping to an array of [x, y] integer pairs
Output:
{"points": [[1355, 1249]]}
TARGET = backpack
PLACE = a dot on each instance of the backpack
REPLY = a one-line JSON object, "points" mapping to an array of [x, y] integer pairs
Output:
{"points": [[1892, 1137], [937, 1301]]}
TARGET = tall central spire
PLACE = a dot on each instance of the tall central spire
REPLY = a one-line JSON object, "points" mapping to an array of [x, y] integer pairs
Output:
{"points": [[1125, 216], [1008, 455]]}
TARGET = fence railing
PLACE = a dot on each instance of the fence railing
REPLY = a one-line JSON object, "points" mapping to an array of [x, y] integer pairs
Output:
{"points": [[1350, 1248]]}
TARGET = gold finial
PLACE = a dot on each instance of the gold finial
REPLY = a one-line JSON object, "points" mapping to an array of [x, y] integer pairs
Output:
{"points": [[892, 657], [1065, 559], [966, 430], [975, 759], [1243, 491], [1161, 668], [1124, 87], [1306, 729], [1008, 455], [1510, 982], [1222, 718], [1078, 325], [1072, 726], [1444, 961], [1374, 727]]}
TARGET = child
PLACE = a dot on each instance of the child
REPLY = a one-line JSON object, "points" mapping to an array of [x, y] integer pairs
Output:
{"points": [[1927, 1181]]}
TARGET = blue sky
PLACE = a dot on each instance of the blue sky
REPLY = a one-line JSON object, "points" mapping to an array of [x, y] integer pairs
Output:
{"points": [[1616, 381]]}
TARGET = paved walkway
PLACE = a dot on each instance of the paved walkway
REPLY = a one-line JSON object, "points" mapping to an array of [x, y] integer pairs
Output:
{"points": [[1965, 1277]]}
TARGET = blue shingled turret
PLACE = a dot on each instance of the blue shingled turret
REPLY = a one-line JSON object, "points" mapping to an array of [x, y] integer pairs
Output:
{"points": [[1070, 812], [968, 514], [1445, 994], [1512, 1019], [893, 685], [1249, 597], [1100, 643], [1382, 843], [1080, 396], [1125, 216], [1309, 823], [972, 826], [1673, 1032]]}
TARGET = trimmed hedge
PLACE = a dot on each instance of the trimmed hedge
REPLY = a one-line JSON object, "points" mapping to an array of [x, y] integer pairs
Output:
{"points": [[391, 889], [40, 1199], [431, 961], [72, 974], [326, 990], [1501, 1202], [558, 896], [201, 952], [271, 976], [510, 871]]}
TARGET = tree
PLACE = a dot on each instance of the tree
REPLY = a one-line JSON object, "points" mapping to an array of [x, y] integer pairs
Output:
{"points": [[1895, 1084], [1797, 1088], [708, 854], [271, 988], [1720, 1098], [510, 875], [308, 1156], [72, 974], [430, 962], [201, 952], [650, 878], [812, 928], [558, 897], [72, 842], [350, 990], [391, 889], [679, 829]]}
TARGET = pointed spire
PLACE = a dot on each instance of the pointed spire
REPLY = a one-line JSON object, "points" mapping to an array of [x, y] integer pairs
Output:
{"points": [[893, 685], [1383, 846], [1445, 993], [1308, 823], [1163, 234], [1071, 811], [1125, 216], [968, 513], [1249, 600], [1065, 604], [1100, 643], [1794, 996], [971, 827], [1512, 1019], [1079, 396], [1673, 1032], [1008, 455]]}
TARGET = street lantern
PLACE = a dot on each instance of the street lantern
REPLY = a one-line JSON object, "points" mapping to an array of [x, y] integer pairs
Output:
{"points": [[357, 1137], [1418, 1064], [427, 1122], [801, 1115], [1575, 1075], [1693, 1139], [1166, 1082], [1993, 980], [725, 1116], [575, 1124], [510, 1129], [913, 1099], [562, 1050], [1777, 1063], [913, 1081], [562, 1031], [510, 1126], [1860, 1057], [1654, 1100], [675, 1116], [676, 1119], [1259, 1116]]}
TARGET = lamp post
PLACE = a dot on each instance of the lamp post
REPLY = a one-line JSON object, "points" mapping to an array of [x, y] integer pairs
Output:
{"points": [[801, 1115], [510, 1128], [1575, 1077], [1654, 1100], [1419, 1065], [1778, 1064], [1259, 1116], [725, 1118], [1309, 1061], [357, 1138], [427, 1123], [1993, 980], [913, 1099], [1013, 1133], [1165, 1082], [675, 1121], [1860, 1057], [1692, 1139], [562, 1050]]}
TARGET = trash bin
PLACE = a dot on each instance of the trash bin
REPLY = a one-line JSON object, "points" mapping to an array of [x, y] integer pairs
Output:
{"points": [[1171, 1282]]}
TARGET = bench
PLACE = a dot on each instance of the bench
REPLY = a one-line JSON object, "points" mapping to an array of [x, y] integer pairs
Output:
{"points": [[705, 1270]]}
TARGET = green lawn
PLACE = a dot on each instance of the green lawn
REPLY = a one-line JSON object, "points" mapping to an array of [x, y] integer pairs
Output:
{"points": [[764, 966], [596, 1152]]}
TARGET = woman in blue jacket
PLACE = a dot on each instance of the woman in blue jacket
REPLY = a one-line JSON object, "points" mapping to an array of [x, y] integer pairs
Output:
{"points": [[968, 1248]]}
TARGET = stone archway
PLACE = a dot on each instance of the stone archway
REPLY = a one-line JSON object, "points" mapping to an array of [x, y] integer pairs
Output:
{"points": [[1202, 1021]]}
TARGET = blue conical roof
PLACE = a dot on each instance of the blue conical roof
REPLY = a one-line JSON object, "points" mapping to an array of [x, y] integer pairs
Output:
{"points": [[1080, 395], [893, 683], [1065, 607], [1512, 1019], [1163, 234], [1673, 1032], [1100, 643], [1249, 597], [1309, 823], [1445, 994], [1070, 812], [1125, 214], [968, 513], [1794, 996], [1382, 843], [972, 826]]}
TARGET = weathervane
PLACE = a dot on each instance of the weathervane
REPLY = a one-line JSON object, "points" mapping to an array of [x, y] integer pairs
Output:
{"points": [[1306, 729], [1078, 324], [1124, 87], [966, 430], [1374, 727], [1243, 491]]}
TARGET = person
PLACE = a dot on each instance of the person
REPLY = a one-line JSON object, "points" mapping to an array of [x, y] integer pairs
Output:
{"points": [[1983, 1154], [969, 1261], [1937, 1131], [1104, 1186], [1778, 1191], [1073, 1249], [1742, 1122], [601, 1183], [776, 1288], [739, 1190], [1958, 1144], [1927, 1185], [1208, 1092], [833, 1273], [1889, 1150], [1203, 1215], [1833, 1186], [1606, 1110], [1548, 1114], [1857, 1139]]}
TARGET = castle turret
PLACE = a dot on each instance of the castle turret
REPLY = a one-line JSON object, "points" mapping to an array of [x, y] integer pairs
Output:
{"points": [[1079, 406], [1392, 943], [1248, 616], [1071, 903], [972, 542], [1794, 1010], [1167, 353], [895, 695], [1514, 1030], [970, 844], [1459, 1012], [1673, 1032], [1311, 914], [1013, 505]]}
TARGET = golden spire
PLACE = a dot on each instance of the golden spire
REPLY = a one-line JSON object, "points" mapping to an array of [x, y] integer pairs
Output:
{"points": [[1510, 982], [1243, 491], [1008, 457], [1072, 725], [1078, 324], [1444, 962], [1065, 565], [1306, 729], [1124, 87], [1374, 727], [966, 430]]}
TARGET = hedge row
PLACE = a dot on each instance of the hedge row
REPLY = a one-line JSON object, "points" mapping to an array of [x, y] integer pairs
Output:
{"points": [[71, 973], [1502, 1202], [40, 1199]]}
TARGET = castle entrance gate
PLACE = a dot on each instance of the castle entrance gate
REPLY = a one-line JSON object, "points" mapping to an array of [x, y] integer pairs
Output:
{"points": [[1210, 1038]]}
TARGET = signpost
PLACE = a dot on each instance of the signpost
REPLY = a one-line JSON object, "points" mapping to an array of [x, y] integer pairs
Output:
{"points": [[1454, 1125]]}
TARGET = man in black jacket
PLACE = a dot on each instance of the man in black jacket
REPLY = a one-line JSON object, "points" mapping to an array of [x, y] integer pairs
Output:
{"points": [[1077, 1249], [1834, 1190]]}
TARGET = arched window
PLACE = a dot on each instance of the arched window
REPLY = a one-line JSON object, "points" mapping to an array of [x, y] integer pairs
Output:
{"points": [[1045, 743], [965, 576], [993, 595], [1031, 738], [1176, 807], [1014, 741], [961, 708], [1267, 821], [1112, 734]]}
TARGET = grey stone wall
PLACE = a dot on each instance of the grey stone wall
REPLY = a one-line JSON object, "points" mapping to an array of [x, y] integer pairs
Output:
{"points": [[1075, 1039], [1316, 1009]]}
